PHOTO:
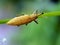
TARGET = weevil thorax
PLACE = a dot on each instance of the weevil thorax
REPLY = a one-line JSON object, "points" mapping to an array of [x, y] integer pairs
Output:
{"points": [[34, 16]]}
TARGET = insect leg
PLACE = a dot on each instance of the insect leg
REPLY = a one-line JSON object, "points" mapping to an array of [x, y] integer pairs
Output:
{"points": [[26, 24], [36, 12], [18, 25], [35, 21]]}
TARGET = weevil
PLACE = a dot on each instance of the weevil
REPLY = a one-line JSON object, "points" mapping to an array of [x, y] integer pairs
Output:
{"points": [[24, 19]]}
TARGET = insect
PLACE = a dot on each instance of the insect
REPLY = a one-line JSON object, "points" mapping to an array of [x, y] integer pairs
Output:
{"points": [[24, 19]]}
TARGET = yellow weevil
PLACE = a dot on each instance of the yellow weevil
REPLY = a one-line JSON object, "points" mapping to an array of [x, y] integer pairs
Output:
{"points": [[24, 19]]}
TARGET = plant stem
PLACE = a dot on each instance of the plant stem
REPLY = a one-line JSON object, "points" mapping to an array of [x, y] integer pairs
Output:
{"points": [[4, 21], [55, 13]]}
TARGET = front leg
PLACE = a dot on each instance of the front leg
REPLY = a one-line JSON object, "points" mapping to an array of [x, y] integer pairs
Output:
{"points": [[35, 21]]}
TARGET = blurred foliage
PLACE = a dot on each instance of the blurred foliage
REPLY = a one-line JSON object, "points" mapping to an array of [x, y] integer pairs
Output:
{"points": [[13, 1], [47, 32], [17, 1], [55, 1]]}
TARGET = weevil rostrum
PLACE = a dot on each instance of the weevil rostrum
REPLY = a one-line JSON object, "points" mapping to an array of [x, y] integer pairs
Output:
{"points": [[24, 19]]}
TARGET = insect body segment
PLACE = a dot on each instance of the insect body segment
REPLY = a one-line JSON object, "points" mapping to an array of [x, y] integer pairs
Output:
{"points": [[24, 19]]}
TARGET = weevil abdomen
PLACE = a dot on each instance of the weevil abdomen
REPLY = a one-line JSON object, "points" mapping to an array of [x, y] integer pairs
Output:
{"points": [[21, 20]]}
